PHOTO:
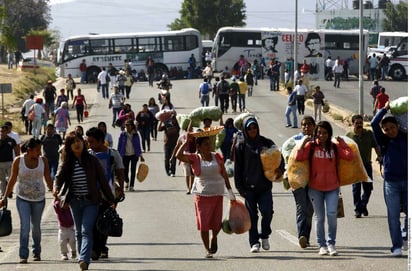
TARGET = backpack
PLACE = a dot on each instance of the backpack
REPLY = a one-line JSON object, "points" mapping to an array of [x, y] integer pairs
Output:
{"points": [[205, 88]]}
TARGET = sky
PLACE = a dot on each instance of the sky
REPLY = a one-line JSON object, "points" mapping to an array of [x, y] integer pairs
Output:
{"points": [[78, 17]]}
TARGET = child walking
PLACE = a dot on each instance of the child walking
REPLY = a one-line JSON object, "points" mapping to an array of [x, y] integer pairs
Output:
{"points": [[66, 234]]}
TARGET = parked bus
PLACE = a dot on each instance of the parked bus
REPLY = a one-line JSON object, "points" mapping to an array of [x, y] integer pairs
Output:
{"points": [[170, 51], [314, 46]]}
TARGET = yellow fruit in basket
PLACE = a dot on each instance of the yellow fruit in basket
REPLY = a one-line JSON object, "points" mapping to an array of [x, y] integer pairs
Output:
{"points": [[271, 159]]}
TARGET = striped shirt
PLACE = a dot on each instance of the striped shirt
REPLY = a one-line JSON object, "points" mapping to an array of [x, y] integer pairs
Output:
{"points": [[79, 180]]}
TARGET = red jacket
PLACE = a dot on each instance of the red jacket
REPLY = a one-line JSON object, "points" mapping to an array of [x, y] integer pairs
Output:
{"points": [[323, 172]]}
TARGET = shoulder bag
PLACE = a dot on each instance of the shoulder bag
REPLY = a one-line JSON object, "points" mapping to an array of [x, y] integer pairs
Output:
{"points": [[5, 221]]}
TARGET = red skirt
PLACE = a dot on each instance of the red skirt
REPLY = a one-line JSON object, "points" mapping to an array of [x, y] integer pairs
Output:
{"points": [[209, 212]]}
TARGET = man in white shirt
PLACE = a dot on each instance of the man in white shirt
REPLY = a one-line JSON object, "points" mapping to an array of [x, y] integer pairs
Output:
{"points": [[26, 107], [301, 91], [13, 135], [329, 66], [102, 78]]}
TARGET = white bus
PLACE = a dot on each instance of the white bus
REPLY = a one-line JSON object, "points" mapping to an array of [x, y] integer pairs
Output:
{"points": [[398, 66], [387, 39], [170, 51], [314, 46]]}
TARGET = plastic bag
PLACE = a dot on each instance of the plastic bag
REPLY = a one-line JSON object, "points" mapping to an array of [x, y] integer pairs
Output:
{"points": [[271, 159], [229, 168], [403, 121], [208, 112], [165, 114], [352, 171], [238, 121], [297, 171], [239, 219], [399, 106]]}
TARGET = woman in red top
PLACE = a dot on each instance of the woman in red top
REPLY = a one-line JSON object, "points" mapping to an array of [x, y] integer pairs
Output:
{"points": [[81, 105], [324, 183]]}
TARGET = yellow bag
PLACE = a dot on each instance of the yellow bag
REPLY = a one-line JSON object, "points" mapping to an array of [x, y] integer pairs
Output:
{"points": [[271, 159], [298, 172], [353, 171], [142, 172]]}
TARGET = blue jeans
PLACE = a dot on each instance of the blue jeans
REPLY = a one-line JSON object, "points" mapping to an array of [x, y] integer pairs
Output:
{"points": [[105, 90], [291, 109], [264, 202], [359, 201], [204, 99], [304, 212], [396, 195], [116, 112], [53, 165], [30, 214], [319, 199], [85, 216], [145, 136]]}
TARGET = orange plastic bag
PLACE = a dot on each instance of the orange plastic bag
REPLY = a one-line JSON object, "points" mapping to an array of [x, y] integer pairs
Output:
{"points": [[239, 219]]}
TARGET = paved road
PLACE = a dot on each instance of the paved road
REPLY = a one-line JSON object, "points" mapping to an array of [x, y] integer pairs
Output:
{"points": [[159, 222]]}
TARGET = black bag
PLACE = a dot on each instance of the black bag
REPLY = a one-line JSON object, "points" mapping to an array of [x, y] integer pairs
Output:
{"points": [[5, 222], [109, 223], [118, 123]]}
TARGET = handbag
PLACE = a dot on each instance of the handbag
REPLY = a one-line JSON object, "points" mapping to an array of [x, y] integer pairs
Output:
{"points": [[109, 223], [30, 116], [5, 222], [142, 172], [341, 210]]}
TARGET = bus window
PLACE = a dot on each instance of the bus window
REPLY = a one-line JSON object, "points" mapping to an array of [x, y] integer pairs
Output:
{"points": [[148, 44], [173, 43], [192, 42], [76, 48], [123, 45], [100, 46]]}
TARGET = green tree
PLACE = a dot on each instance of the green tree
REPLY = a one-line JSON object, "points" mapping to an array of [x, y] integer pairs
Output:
{"points": [[396, 17], [19, 17], [209, 16]]}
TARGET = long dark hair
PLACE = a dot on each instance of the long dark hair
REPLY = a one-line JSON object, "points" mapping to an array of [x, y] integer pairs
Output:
{"points": [[325, 125], [68, 157], [30, 144]]}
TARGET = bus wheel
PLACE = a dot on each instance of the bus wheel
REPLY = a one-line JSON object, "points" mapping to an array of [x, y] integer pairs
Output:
{"points": [[92, 73], [160, 69], [397, 72]]}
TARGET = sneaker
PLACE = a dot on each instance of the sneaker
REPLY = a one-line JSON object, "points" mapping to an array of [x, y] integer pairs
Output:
{"points": [[365, 212], [332, 250], [131, 189], [64, 257], [265, 244], [36, 257], [83, 265], [172, 175], [323, 251], [303, 242], [255, 248], [397, 252], [104, 255], [23, 260], [357, 214]]}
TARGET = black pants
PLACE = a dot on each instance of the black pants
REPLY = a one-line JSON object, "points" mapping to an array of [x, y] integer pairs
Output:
{"points": [[99, 239], [301, 104], [224, 102]]}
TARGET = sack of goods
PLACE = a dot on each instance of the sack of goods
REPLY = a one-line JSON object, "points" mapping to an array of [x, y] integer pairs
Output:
{"points": [[351, 171], [297, 171], [207, 112], [109, 223], [271, 159], [239, 219], [238, 121], [183, 120], [220, 138], [165, 114], [399, 109]]}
